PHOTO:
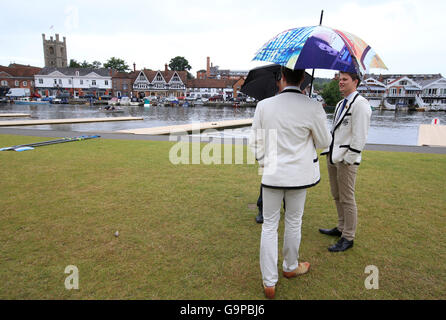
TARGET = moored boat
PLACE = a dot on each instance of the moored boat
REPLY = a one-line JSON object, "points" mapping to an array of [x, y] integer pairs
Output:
{"points": [[125, 101], [29, 101]]}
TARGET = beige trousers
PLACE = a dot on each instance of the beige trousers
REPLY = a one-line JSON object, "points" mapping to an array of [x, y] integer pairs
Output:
{"points": [[272, 202], [342, 183]]}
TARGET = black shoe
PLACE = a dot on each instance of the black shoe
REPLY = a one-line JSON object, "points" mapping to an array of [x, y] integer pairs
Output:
{"points": [[259, 218], [331, 232], [342, 245]]}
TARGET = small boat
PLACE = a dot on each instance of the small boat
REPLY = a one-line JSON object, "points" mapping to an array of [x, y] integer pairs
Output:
{"points": [[113, 101], [172, 99], [199, 101], [112, 109], [125, 101], [389, 106], [136, 103]]}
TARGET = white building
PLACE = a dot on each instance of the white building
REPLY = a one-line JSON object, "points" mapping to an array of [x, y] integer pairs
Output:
{"points": [[76, 81], [373, 90], [434, 93], [407, 90], [206, 88], [403, 91]]}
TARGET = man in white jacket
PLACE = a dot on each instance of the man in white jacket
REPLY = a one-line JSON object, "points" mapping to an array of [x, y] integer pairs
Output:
{"points": [[351, 122], [286, 131]]}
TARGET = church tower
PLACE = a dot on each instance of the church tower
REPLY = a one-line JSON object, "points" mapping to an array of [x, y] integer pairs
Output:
{"points": [[55, 52]]}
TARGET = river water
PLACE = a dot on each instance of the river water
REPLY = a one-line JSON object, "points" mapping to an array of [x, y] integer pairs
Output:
{"points": [[387, 127]]}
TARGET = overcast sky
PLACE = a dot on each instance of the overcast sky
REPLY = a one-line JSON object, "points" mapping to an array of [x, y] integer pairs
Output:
{"points": [[407, 34]]}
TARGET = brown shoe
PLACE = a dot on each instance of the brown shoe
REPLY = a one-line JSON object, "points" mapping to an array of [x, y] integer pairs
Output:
{"points": [[269, 291], [302, 268]]}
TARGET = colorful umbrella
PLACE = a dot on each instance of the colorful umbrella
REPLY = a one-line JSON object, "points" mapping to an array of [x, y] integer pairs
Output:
{"points": [[320, 47]]}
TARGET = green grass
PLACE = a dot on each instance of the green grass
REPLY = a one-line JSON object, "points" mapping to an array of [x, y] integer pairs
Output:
{"points": [[188, 231]]}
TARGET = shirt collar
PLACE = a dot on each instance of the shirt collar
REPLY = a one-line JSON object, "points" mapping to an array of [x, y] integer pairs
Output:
{"points": [[291, 87], [351, 95]]}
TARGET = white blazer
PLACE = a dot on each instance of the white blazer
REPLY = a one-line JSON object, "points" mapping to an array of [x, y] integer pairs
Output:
{"points": [[286, 131], [349, 130]]}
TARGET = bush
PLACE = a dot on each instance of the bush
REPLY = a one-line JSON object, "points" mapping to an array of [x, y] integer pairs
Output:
{"points": [[331, 93]]}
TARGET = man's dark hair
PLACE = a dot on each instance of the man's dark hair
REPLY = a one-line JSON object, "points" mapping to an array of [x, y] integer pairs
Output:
{"points": [[354, 77], [293, 77]]}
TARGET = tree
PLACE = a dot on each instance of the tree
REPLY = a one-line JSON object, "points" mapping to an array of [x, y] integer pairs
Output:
{"points": [[319, 83], [179, 64], [331, 93], [85, 64], [116, 64], [96, 64], [190, 76]]}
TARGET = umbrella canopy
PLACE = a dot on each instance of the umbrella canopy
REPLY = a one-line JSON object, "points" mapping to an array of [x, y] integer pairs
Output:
{"points": [[320, 47], [261, 82]]}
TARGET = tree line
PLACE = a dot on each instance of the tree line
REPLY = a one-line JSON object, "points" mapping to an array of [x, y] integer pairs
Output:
{"points": [[177, 64], [112, 63]]}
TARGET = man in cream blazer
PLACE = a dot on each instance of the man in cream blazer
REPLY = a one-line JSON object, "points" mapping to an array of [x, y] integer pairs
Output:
{"points": [[286, 131], [351, 122]]}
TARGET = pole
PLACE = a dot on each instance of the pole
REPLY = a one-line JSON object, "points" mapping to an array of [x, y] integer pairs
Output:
{"points": [[45, 143], [312, 74]]}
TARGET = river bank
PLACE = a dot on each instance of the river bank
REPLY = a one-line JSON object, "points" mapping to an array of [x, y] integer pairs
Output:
{"points": [[387, 127]]}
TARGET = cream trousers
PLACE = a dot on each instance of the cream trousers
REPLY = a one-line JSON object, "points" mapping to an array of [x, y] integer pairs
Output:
{"points": [[272, 201], [342, 185]]}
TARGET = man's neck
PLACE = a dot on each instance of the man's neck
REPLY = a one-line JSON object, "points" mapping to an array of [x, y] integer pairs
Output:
{"points": [[283, 85], [346, 95]]}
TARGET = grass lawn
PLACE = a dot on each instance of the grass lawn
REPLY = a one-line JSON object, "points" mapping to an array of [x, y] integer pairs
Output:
{"points": [[188, 231]]}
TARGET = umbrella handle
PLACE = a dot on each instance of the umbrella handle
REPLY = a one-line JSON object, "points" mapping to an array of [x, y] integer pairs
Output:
{"points": [[312, 74]]}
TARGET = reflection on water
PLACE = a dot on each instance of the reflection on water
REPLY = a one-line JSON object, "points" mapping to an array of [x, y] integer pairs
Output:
{"points": [[387, 127]]}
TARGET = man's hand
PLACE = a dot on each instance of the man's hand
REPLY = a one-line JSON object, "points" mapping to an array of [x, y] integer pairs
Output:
{"points": [[350, 157]]}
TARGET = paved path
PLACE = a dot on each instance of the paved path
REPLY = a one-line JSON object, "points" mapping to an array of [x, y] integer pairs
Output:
{"points": [[127, 136]]}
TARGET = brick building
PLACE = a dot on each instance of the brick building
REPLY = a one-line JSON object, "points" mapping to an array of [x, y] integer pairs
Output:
{"points": [[214, 72], [123, 83], [18, 76]]}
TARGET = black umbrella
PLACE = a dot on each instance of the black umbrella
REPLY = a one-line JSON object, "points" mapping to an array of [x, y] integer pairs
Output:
{"points": [[261, 82]]}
